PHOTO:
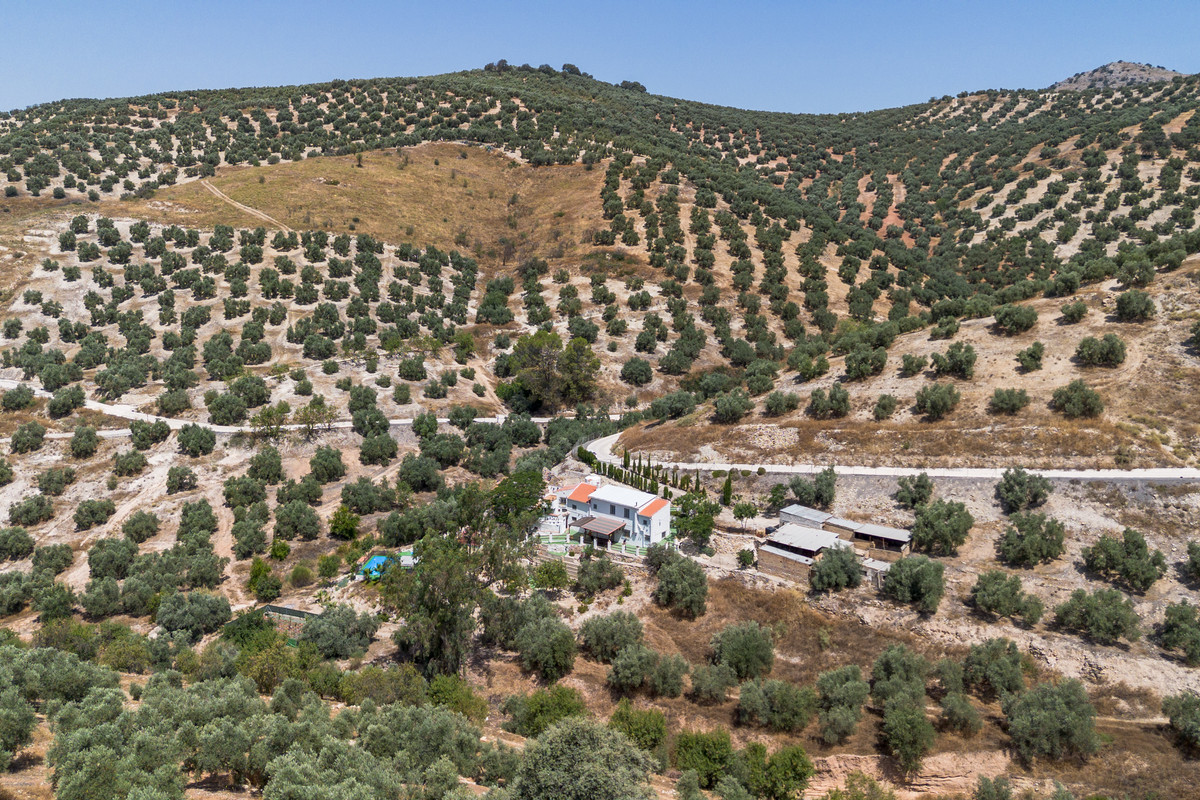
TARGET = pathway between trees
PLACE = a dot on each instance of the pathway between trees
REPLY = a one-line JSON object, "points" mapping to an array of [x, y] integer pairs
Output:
{"points": [[603, 449], [254, 212]]}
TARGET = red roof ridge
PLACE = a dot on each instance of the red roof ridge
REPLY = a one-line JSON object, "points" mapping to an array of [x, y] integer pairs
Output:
{"points": [[581, 493], [652, 508]]}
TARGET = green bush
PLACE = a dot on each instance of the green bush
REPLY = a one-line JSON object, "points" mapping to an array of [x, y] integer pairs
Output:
{"points": [[899, 672], [682, 587], [1108, 351], [27, 438], [17, 399], [1127, 561], [91, 513], [711, 682], [907, 734], [645, 728], [547, 647], [913, 492], [1030, 539], [1052, 721], [710, 755], [1011, 319], [1105, 616], [1030, 359], [936, 400], [1008, 401], [1019, 490], [196, 440], [958, 361], [941, 527], [777, 705], [597, 573], [916, 580], [533, 714], [819, 492], [1135, 305], [834, 405], [30, 511], [340, 633], [1183, 711], [959, 715], [745, 647], [999, 594], [128, 463], [140, 526], [1074, 312], [885, 406], [84, 442], [994, 669], [1181, 630], [1077, 400], [15, 544], [836, 569], [631, 668], [841, 693], [605, 636]]}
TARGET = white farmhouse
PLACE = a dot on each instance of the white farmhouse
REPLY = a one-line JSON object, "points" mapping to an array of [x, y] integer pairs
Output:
{"points": [[610, 514]]}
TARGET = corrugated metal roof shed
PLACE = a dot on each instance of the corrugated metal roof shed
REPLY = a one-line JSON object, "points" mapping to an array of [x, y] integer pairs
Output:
{"points": [[883, 532], [806, 538], [804, 515]]}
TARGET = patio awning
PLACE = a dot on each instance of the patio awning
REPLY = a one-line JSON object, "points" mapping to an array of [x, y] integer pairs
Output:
{"points": [[600, 526]]}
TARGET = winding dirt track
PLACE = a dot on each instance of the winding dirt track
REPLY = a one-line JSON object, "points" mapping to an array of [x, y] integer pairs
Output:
{"points": [[254, 212]]}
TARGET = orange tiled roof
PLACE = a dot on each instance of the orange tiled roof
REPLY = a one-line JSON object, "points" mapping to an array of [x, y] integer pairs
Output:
{"points": [[652, 508], [581, 493]]}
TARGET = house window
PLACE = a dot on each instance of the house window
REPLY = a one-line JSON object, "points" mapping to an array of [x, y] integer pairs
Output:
{"points": [[612, 509], [627, 513]]}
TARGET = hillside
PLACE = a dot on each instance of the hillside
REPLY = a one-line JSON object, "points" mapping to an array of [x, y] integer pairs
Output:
{"points": [[253, 337], [1115, 75]]}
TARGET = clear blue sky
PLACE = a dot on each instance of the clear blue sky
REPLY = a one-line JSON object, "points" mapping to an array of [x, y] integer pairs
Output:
{"points": [[800, 56]]}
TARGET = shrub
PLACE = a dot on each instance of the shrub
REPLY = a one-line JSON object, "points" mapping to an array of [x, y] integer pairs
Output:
{"points": [[547, 647], [128, 463], [631, 667], [959, 715], [603, 637], [836, 569], [15, 544], [1030, 359], [666, 678], [55, 481], [180, 479], [597, 573], [916, 580], [710, 683], [1128, 560], [841, 693], [1077, 400], [84, 442], [819, 492], [30, 511], [936, 400], [1135, 305], [1019, 490], [941, 527], [1031, 539], [958, 361], [730, 407], [91, 513], [999, 594], [645, 728], [1008, 401], [637, 371], [140, 526], [533, 714], [1183, 712], [1074, 312], [779, 403], [1011, 320], [899, 672], [1108, 351], [1052, 721], [682, 587], [326, 465], [193, 613], [1181, 630], [296, 519], [17, 399], [834, 405], [885, 406], [994, 668], [911, 365], [913, 492], [907, 734], [27, 438], [146, 434], [1106, 616], [340, 633], [709, 755], [747, 648], [196, 440], [777, 705]]}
